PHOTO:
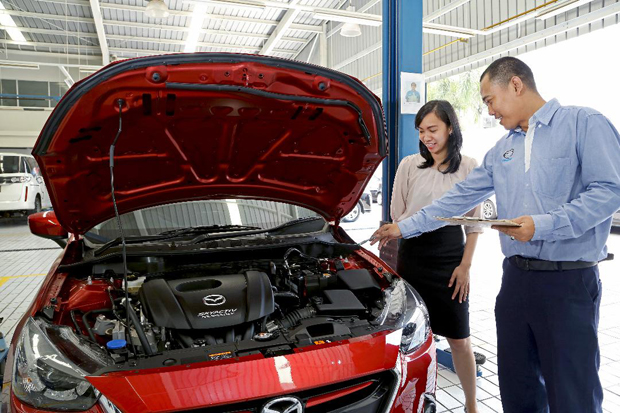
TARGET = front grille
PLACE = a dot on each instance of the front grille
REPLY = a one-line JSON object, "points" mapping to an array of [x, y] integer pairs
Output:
{"points": [[367, 394]]}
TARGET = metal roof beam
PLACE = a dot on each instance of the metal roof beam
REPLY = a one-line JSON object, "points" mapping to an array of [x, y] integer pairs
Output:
{"points": [[278, 32], [369, 18], [114, 6], [447, 9], [43, 16], [358, 56], [56, 32], [205, 31], [64, 33], [80, 59], [251, 49], [68, 78], [582, 20], [234, 4], [103, 43], [203, 44]]}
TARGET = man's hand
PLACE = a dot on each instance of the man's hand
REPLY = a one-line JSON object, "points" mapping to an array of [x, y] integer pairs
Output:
{"points": [[460, 276], [524, 233], [384, 234]]}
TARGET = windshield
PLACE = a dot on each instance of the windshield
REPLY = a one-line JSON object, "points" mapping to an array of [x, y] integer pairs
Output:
{"points": [[155, 220]]}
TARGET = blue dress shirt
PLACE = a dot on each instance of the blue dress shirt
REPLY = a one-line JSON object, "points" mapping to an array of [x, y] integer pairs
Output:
{"points": [[571, 189]]}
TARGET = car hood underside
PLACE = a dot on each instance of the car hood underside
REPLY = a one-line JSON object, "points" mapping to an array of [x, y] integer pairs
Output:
{"points": [[206, 126]]}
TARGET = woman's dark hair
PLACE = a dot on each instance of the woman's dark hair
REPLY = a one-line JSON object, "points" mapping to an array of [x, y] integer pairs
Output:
{"points": [[444, 111]]}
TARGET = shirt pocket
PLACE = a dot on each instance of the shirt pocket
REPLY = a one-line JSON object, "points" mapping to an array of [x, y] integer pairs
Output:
{"points": [[554, 177]]}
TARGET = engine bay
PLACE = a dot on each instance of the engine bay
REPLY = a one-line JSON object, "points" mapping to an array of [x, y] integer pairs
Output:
{"points": [[268, 305]]}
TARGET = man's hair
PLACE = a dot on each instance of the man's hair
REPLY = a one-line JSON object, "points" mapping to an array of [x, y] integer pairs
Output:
{"points": [[503, 69]]}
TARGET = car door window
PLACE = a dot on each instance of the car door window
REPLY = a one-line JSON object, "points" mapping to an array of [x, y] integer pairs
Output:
{"points": [[24, 167], [32, 166]]}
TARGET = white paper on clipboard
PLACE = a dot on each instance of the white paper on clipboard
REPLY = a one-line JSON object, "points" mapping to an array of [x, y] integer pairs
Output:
{"points": [[479, 221]]}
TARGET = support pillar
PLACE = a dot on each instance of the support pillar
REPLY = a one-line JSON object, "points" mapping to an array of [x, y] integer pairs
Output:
{"points": [[402, 52]]}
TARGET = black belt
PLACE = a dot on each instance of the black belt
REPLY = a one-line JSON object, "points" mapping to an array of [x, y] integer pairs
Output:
{"points": [[530, 264]]}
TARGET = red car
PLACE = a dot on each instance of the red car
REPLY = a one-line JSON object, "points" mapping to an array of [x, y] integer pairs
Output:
{"points": [[205, 269]]}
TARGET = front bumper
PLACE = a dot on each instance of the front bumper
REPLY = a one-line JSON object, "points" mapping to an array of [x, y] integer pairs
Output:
{"points": [[255, 379]]}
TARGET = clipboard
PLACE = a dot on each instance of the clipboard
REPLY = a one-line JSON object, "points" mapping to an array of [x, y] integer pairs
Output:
{"points": [[471, 221]]}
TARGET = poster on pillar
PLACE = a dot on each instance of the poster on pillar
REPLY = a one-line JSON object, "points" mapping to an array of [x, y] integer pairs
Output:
{"points": [[412, 92]]}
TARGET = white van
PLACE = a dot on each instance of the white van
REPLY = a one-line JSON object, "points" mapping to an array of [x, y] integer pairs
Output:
{"points": [[21, 186]]}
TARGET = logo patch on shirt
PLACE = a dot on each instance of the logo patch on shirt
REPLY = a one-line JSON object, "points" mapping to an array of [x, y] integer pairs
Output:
{"points": [[508, 155]]}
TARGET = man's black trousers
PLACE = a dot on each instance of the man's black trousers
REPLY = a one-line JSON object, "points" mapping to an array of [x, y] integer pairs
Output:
{"points": [[548, 354]]}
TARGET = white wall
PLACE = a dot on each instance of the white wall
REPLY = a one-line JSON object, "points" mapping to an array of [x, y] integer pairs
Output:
{"points": [[20, 128], [43, 74], [580, 72]]}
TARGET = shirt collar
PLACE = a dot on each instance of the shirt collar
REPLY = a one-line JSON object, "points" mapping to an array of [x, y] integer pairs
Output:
{"points": [[542, 115], [546, 112]]}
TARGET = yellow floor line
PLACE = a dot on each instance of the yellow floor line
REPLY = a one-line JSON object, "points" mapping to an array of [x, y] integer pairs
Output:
{"points": [[5, 279]]}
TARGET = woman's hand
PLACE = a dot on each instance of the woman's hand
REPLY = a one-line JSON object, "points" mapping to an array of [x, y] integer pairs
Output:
{"points": [[460, 277], [384, 234]]}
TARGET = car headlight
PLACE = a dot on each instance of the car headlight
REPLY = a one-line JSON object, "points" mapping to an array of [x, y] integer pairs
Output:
{"points": [[405, 309], [46, 378]]}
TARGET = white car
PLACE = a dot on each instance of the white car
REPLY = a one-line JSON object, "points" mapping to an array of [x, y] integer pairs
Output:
{"points": [[615, 220], [21, 185], [489, 210]]}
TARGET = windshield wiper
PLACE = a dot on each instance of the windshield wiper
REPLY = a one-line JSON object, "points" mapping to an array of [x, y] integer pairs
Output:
{"points": [[173, 234], [211, 237], [207, 228]]}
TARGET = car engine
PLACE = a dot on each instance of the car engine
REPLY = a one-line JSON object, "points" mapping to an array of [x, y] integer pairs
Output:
{"points": [[299, 299]]}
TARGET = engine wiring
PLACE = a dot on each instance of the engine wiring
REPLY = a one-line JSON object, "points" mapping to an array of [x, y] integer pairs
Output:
{"points": [[118, 217]]}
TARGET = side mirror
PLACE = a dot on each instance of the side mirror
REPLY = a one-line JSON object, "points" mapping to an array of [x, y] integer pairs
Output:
{"points": [[45, 225]]}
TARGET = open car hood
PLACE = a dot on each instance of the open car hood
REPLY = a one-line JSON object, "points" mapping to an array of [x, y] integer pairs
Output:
{"points": [[200, 126]]}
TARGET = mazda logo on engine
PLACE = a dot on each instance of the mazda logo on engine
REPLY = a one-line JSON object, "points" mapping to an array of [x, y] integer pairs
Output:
{"points": [[214, 299], [284, 405]]}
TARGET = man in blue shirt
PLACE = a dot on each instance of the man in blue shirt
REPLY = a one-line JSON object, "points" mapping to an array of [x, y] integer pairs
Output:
{"points": [[413, 96], [557, 173]]}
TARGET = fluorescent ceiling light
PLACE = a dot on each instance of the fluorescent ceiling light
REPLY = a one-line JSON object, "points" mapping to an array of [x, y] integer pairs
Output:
{"points": [[157, 9], [12, 30], [560, 7], [198, 16], [350, 29], [19, 65], [448, 30], [346, 16], [444, 32], [87, 69]]}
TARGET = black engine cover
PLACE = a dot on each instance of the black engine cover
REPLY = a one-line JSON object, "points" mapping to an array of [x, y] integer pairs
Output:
{"points": [[207, 302]]}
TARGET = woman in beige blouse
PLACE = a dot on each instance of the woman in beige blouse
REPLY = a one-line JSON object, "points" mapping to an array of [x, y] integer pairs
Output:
{"points": [[437, 263]]}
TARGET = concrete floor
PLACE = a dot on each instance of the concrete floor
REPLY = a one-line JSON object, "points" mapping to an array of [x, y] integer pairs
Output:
{"points": [[25, 259]]}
